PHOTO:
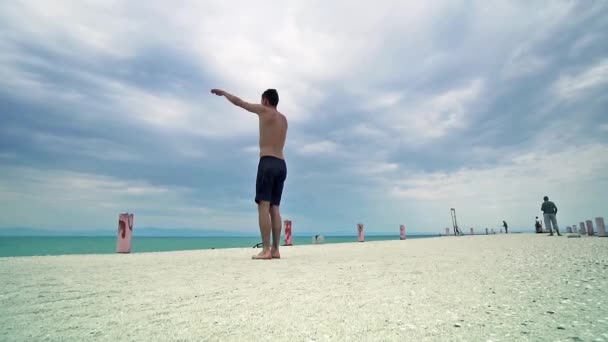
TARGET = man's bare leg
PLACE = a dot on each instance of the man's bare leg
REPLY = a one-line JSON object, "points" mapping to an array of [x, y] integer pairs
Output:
{"points": [[275, 218], [265, 228]]}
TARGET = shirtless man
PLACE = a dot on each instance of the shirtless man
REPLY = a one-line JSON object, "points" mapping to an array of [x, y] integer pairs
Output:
{"points": [[272, 169]]}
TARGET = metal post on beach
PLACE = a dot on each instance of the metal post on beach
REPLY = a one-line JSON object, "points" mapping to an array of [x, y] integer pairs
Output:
{"points": [[583, 229], [601, 228], [589, 227]]}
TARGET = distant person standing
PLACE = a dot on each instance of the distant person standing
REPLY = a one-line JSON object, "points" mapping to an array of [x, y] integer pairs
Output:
{"points": [[549, 210], [538, 225], [504, 224]]}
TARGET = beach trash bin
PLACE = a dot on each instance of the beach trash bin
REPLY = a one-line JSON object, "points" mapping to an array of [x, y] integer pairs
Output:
{"points": [[402, 232], [288, 238], [360, 232], [125, 232], [601, 228]]}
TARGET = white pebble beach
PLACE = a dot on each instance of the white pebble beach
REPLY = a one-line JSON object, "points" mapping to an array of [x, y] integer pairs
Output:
{"points": [[513, 287]]}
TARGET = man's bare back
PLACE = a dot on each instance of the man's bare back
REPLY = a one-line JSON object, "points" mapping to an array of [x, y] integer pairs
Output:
{"points": [[272, 168], [273, 132]]}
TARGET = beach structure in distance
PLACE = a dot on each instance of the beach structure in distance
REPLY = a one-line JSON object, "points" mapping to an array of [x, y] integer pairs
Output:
{"points": [[457, 231], [360, 232], [601, 228], [124, 234], [288, 233]]}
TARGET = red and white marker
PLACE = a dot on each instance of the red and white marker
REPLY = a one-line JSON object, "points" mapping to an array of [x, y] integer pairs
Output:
{"points": [[360, 232], [288, 240], [125, 232]]}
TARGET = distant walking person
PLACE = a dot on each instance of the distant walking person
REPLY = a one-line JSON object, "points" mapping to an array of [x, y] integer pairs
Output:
{"points": [[549, 210], [504, 224]]}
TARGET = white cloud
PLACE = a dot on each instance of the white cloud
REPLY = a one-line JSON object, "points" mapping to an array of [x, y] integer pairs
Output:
{"points": [[523, 65], [324, 147], [514, 187], [573, 86], [67, 199], [433, 117]]}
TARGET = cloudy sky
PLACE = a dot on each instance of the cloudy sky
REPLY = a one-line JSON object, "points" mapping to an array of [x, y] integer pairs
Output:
{"points": [[398, 111]]}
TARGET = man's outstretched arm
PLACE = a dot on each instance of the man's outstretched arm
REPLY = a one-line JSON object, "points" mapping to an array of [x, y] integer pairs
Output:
{"points": [[251, 107]]}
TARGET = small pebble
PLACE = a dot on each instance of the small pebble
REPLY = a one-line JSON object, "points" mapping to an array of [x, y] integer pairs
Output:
{"points": [[561, 328], [550, 312], [457, 325]]}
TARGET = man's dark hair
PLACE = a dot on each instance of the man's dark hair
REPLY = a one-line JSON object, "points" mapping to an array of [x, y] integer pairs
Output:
{"points": [[272, 96], [546, 198]]}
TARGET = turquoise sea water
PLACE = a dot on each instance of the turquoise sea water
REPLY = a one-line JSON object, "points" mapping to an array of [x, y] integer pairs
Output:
{"points": [[29, 246]]}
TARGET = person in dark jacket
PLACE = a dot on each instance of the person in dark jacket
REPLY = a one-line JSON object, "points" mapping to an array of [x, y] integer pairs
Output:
{"points": [[549, 210]]}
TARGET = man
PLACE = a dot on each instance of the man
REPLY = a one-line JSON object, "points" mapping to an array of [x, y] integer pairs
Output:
{"points": [[272, 169], [504, 224], [549, 210]]}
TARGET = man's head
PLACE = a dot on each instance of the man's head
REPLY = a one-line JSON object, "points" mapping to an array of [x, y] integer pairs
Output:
{"points": [[546, 198], [270, 98]]}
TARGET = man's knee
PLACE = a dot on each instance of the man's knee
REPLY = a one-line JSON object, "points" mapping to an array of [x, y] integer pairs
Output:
{"points": [[274, 210], [263, 206]]}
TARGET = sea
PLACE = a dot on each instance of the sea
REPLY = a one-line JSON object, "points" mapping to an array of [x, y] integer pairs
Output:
{"points": [[62, 245]]}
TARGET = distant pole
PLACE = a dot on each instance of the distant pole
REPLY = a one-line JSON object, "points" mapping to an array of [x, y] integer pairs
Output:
{"points": [[589, 227], [601, 228]]}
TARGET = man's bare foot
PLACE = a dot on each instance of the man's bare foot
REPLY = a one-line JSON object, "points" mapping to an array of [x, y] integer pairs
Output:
{"points": [[263, 255], [275, 253]]}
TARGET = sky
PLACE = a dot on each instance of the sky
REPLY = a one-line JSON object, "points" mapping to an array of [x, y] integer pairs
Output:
{"points": [[398, 111]]}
